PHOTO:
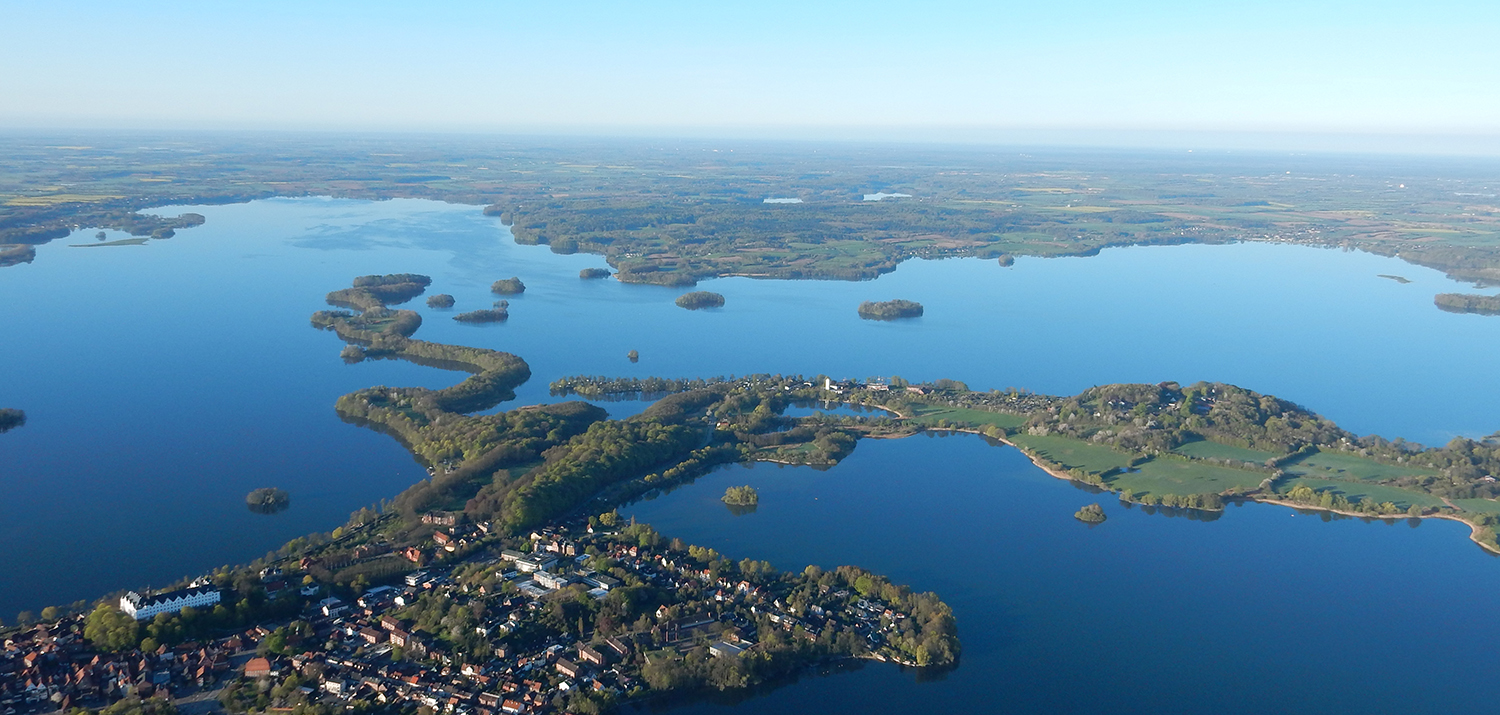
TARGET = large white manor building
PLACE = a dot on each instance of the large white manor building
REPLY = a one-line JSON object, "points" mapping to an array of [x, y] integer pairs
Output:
{"points": [[143, 607]]}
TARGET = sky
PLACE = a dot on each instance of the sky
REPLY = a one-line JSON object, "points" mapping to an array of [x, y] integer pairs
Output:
{"points": [[966, 71]]}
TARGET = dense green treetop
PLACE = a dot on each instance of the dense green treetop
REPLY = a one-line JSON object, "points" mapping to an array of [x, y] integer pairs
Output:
{"points": [[741, 496], [890, 310], [1091, 513], [700, 299], [508, 286], [371, 292], [268, 499], [498, 314]]}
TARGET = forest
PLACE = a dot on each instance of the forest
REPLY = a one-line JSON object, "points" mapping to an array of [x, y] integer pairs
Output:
{"points": [[10, 419]]}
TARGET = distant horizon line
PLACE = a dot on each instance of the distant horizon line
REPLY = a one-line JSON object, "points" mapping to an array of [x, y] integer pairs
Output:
{"points": [[1252, 141]]}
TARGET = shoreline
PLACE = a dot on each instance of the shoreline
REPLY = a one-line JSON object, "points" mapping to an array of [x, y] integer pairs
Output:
{"points": [[1259, 498]]}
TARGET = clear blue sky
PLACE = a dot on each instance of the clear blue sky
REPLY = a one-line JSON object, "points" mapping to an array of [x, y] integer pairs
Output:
{"points": [[869, 70]]}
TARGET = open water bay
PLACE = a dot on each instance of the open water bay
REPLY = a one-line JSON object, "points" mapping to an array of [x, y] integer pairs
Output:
{"points": [[1263, 610], [163, 382]]}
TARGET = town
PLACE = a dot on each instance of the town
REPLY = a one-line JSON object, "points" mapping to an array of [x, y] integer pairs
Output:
{"points": [[564, 619]]}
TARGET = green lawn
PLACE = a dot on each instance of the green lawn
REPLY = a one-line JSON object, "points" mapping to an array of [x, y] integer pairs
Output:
{"points": [[1176, 476], [929, 414], [1354, 491], [1204, 449], [1332, 465]]}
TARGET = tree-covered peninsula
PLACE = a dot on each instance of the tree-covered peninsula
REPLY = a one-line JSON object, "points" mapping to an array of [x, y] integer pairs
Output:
{"points": [[890, 310], [542, 467], [1161, 446], [700, 299], [1467, 303], [11, 419], [380, 291], [508, 286]]}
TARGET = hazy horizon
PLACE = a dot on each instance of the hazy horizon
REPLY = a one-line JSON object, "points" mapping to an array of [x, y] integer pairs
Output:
{"points": [[1270, 75]]}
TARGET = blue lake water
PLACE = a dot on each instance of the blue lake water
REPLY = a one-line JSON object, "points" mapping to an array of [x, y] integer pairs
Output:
{"points": [[1260, 611], [163, 382]]}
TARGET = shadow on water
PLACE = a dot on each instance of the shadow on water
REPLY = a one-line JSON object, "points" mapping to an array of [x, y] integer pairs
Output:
{"points": [[730, 698], [275, 508], [1176, 511], [741, 509]]}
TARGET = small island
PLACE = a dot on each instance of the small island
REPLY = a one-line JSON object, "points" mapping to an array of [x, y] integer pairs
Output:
{"points": [[508, 286], [353, 354], [594, 273], [1091, 514], [634, 356], [1398, 279], [890, 310], [380, 291], [1006, 260], [441, 300], [1466, 303], [741, 496], [268, 500], [700, 299], [11, 419], [499, 313]]}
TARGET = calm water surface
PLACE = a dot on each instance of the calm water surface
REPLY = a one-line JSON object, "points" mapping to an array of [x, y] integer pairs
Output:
{"points": [[1260, 611], [163, 382]]}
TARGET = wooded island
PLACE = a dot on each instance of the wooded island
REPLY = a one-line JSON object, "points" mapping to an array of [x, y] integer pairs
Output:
{"points": [[890, 310]]}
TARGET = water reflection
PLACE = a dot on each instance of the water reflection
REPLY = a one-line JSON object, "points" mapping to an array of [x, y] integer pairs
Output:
{"points": [[741, 509], [1176, 511]]}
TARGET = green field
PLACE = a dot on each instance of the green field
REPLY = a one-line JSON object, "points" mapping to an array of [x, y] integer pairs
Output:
{"points": [[1075, 454], [1158, 476], [929, 414], [1331, 465], [1478, 506], [1204, 449], [1355, 491], [1174, 476]]}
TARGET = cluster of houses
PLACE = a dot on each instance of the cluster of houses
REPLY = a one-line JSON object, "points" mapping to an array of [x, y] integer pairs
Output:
{"points": [[342, 651], [50, 667], [353, 642]]}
